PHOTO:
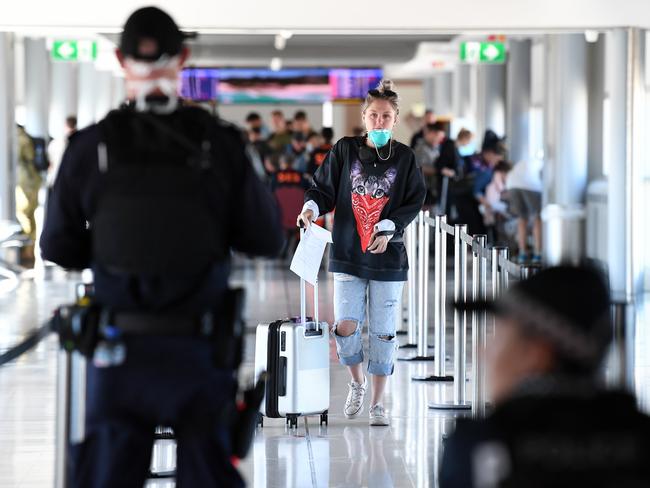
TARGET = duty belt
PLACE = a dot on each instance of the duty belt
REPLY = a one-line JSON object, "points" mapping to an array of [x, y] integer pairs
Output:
{"points": [[148, 324]]}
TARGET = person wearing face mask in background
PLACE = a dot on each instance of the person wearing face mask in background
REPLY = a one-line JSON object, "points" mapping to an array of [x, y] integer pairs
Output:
{"points": [[553, 421], [377, 189], [129, 191], [297, 150], [254, 132], [321, 151]]}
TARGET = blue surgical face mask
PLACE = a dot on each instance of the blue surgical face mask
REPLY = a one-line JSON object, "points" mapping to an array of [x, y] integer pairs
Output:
{"points": [[467, 149], [380, 137]]}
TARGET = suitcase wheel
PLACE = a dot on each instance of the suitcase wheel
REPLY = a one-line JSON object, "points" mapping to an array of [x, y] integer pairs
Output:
{"points": [[292, 421], [323, 418], [260, 420]]}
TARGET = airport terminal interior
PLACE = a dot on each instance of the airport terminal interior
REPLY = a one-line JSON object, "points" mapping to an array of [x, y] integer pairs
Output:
{"points": [[528, 127]]}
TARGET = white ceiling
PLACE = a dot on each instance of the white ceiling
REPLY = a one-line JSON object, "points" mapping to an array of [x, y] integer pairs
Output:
{"points": [[379, 16], [305, 50]]}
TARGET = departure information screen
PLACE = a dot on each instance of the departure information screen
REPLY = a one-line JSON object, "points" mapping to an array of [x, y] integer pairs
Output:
{"points": [[292, 85], [353, 84]]}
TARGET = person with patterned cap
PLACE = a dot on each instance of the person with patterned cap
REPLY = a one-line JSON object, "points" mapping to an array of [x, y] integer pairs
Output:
{"points": [[553, 424]]}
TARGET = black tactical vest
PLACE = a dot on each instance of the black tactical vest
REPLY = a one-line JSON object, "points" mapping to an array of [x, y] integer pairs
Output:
{"points": [[153, 217]]}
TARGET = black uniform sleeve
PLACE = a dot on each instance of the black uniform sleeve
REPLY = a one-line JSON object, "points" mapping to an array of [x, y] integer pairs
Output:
{"points": [[325, 186], [66, 239], [255, 222], [413, 197], [458, 467]]}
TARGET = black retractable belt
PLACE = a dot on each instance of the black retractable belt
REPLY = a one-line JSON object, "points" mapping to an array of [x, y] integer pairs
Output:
{"points": [[26, 345]]}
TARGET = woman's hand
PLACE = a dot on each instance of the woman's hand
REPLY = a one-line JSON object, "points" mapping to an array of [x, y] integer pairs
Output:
{"points": [[306, 218], [378, 244], [450, 173]]}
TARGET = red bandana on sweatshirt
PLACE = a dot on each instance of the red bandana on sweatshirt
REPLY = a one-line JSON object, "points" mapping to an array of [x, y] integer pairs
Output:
{"points": [[366, 212], [370, 194]]}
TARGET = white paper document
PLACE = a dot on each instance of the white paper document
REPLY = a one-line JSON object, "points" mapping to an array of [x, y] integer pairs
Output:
{"points": [[309, 254]]}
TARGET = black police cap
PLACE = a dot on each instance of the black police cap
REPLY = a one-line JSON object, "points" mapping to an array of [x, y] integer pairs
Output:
{"points": [[568, 305], [153, 24]]}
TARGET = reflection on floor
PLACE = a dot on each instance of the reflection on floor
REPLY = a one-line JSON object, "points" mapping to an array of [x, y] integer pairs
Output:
{"points": [[347, 453]]}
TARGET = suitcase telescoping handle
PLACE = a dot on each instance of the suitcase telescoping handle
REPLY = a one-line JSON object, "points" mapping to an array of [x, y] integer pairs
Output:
{"points": [[303, 294]]}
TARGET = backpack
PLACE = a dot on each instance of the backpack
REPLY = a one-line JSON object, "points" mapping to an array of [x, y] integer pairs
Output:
{"points": [[41, 160]]}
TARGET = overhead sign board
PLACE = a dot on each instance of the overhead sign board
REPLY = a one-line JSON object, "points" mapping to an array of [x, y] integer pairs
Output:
{"points": [[483, 52], [73, 50]]}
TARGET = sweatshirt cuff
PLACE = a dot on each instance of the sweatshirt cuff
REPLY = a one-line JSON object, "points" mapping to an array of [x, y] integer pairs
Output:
{"points": [[313, 206], [386, 225]]}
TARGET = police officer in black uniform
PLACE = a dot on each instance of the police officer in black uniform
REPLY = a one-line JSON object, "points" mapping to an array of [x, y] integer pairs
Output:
{"points": [[553, 425], [153, 198]]}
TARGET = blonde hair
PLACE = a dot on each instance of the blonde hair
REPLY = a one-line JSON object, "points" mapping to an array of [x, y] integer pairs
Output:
{"points": [[385, 91]]}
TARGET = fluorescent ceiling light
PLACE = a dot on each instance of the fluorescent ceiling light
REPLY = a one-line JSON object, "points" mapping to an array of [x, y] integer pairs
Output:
{"points": [[276, 64], [280, 42]]}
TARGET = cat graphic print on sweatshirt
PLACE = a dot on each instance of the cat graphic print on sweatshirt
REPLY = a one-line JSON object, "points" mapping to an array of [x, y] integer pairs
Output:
{"points": [[370, 194]]}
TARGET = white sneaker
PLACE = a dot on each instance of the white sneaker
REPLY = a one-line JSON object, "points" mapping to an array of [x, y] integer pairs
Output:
{"points": [[356, 394], [378, 415]]}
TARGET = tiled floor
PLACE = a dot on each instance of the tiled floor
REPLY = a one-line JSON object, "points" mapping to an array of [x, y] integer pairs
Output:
{"points": [[344, 454]]}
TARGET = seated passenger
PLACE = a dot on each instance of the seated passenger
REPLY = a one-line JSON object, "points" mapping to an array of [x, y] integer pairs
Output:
{"points": [[553, 424]]}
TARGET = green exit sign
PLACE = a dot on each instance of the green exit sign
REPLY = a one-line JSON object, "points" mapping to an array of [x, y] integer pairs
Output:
{"points": [[71, 50], [483, 52]]}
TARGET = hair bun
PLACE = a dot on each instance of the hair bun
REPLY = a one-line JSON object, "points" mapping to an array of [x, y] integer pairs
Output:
{"points": [[386, 85]]}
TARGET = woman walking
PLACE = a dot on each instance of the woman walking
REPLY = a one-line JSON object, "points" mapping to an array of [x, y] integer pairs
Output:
{"points": [[377, 190]]}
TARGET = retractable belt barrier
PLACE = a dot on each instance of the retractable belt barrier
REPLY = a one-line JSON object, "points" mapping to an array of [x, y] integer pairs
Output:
{"points": [[484, 258]]}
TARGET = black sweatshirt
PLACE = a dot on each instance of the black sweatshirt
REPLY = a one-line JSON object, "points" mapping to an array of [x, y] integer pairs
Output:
{"points": [[365, 190]]}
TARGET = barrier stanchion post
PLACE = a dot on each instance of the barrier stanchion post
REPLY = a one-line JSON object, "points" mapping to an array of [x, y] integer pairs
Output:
{"points": [[460, 324], [411, 308], [61, 475], [529, 270], [439, 299], [479, 323], [423, 291], [504, 255], [623, 344], [496, 276], [440, 292], [70, 411]]}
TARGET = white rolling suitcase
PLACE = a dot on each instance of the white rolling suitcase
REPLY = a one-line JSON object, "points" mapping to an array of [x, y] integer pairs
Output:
{"points": [[294, 353]]}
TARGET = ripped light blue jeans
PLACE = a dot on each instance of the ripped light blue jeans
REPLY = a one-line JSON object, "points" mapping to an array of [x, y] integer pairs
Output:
{"points": [[384, 300]]}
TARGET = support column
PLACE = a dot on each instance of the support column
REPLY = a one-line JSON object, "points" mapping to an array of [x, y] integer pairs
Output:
{"points": [[7, 128], [64, 88], [462, 91], [596, 53], [88, 92], [442, 94], [518, 111], [491, 110], [104, 94], [625, 131], [37, 87], [428, 88], [566, 131], [118, 92]]}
